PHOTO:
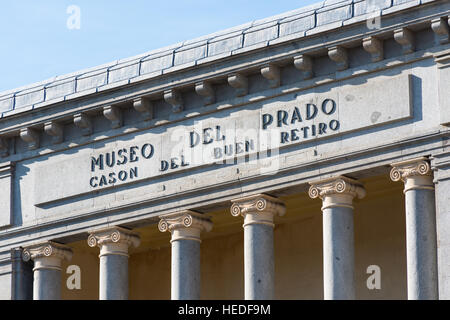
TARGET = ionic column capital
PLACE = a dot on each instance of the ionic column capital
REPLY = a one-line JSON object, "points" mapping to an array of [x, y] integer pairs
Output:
{"points": [[113, 240], [258, 209], [185, 225], [47, 255], [337, 192], [415, 173]]}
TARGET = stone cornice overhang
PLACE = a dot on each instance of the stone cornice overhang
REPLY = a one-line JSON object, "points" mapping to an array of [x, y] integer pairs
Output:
{"points": [[281, 52]]}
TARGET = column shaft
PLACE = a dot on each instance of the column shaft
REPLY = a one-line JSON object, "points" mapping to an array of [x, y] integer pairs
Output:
{"points": [[259, 268], [337, 196], [47, 284], [185, 270], [258, 262], [113, 277], [338, 254], [185, 228], [421, 245], [47, 258], [113, 243], [421, 239], [21, 276]]}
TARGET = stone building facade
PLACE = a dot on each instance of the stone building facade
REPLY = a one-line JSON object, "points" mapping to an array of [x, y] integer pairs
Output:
{"points": [[303, 156]]}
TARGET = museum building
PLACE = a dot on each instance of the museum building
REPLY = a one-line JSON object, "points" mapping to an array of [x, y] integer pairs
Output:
{"points": [[302, 156]]}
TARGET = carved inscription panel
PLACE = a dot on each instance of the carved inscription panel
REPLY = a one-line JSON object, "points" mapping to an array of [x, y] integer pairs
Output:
{"points": [[244, 132]]}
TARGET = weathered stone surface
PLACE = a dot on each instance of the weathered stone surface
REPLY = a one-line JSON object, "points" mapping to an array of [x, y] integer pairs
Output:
{"points": [[272, 73], [339, 55], [206, 90], [83, 122], [145, 107], [6, 199], [297, 24], [28, 97], [189, 54], [60, 89], [369, 6], [239, 82], [91, 80], [56, 130], [304, 63], [405, 38], [441, 166], [30, 136], [152, 64], [260, 34], [221, 45], [123, 72], [420, 227], [174, 98], [338, 12], [443, 63], [375, 47], [6, 103], [441, 29]]}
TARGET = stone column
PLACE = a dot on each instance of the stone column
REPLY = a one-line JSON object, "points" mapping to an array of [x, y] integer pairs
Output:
{"points": [[21, 276], [113, 243], [47, 259], [421, 244], [258, 212], [185, 228], [338, 240]]}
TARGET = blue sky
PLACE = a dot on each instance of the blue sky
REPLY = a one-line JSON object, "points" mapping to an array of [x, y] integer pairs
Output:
{"points": [[36, 43]]}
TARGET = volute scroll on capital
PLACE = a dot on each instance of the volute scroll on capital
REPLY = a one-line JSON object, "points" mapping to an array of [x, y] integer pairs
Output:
{"points": [[416, 174], [405, 169], [185, 225], [258, 209], [336, 186], [48, 249], [184, 219], [117, 235]]}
